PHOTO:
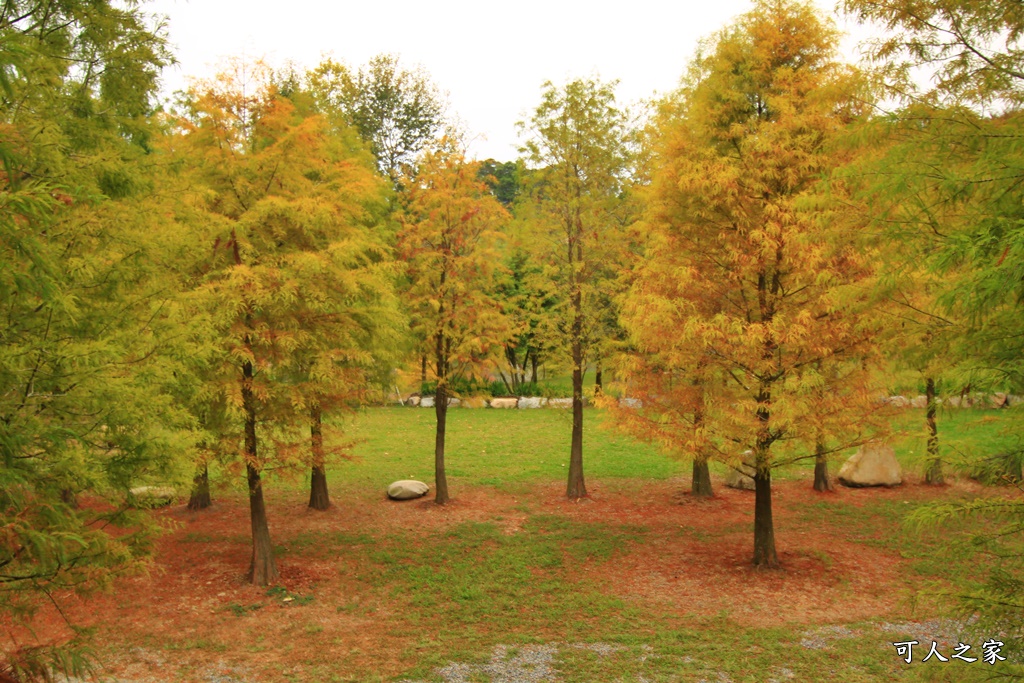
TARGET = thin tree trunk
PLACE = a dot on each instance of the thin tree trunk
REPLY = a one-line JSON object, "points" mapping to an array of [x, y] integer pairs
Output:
{"points": [[598, 379], [69, 497], [200, 498], [423, 371], [576, 488], [701, 484], [441, 413], [933, 475], [262, 568], [765, 556], [533, 367], [822, 482], [318, 497]]}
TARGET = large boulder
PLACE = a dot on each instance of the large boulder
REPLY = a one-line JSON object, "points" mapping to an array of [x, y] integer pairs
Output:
{"points": [[631, 403], [407, 489], [504, 402], [526, 402], [560, 403], [919, 402], [873, 464], [742, 477], [426, 402]]}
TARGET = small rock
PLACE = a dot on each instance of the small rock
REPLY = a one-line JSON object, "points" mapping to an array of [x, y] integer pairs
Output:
{"points": [[919, 401], [743, 477], [412, 401], [899, 401], [504, 402], [407, 489], [526, 402], [999, 400], [872, 465], [631, 403]]}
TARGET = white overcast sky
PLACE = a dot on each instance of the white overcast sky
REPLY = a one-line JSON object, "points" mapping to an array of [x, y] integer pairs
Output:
{"points": [[491, 58]]}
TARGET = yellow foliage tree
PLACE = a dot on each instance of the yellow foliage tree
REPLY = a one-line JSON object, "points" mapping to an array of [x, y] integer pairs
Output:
{"points": [[285, 202], [750, 275]]}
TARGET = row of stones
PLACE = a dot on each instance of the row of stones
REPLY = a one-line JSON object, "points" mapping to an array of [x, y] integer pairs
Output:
{"points": [[996, 400], [522, 402]]}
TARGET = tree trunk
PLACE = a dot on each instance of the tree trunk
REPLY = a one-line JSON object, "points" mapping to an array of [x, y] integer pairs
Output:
{"points": [[701, 484], [701, 481], [765, 556], [933, 474], [598, 379], [69, 497], [441, 413], [822, 482], [318, 497], [262, 569], [533, 367], [576, 488], [200, 498], [423, 371]]}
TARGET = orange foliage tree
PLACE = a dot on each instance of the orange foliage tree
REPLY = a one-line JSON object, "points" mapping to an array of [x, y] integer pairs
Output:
{"points": [[448, 239], [751, 303]]}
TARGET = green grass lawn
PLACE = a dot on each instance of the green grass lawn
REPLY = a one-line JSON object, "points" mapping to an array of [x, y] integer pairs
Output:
{"points": [[508, 448], [486, 447], [379, 591]]}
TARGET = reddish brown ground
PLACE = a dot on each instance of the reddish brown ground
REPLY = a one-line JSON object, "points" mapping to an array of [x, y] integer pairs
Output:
{"points": [[694, 561]]}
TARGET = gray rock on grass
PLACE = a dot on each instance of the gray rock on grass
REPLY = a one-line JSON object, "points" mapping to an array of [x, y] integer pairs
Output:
{"points": [[407, 489], [526, 402]]}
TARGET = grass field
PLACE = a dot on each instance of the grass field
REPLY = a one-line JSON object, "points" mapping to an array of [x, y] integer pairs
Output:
{"points": [[511, 582]]}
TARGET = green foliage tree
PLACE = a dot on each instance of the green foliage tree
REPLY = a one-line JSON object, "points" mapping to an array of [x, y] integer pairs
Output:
{"points": [[504, 179], [527, 296], [397, 111], [576, 142], [84, 391], [949, 181]]}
